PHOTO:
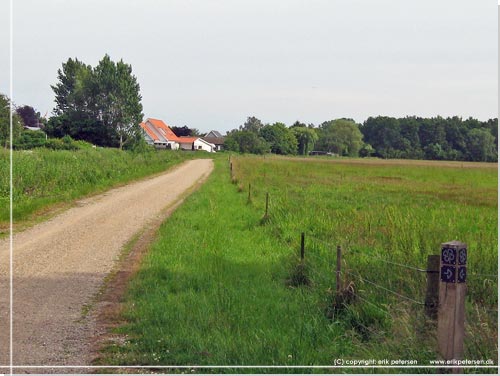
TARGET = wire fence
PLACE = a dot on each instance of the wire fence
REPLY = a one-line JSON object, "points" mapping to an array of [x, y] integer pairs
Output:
{"points": [[362, 279], [327, 253]]}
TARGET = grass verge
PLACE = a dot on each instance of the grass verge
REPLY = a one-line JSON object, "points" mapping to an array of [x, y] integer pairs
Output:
{"points": [[217, 287], [45, 180]]}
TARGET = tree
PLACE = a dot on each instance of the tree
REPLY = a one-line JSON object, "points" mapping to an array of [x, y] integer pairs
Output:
{"points": [[118, 99], [384, 135], [245, 142], [252, 125], [100, 105], [366, 151], [306, 138], [281, 139], [432, 135], [70, 90], [481, 145], [185, 131], [29, 116], [5, 122], [340, 136]]}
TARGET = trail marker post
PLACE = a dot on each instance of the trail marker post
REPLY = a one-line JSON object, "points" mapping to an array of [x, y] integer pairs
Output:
{"points": [[451, 310]]}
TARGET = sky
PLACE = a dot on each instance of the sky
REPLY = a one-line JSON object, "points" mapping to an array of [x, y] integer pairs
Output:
{"points": [[211, 64]]}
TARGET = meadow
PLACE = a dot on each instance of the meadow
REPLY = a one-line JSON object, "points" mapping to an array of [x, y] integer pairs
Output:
{"points": [[43, 179], [224, 285]]}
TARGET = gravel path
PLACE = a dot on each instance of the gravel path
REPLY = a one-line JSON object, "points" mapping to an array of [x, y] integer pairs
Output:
{"points": [[59, 266]]}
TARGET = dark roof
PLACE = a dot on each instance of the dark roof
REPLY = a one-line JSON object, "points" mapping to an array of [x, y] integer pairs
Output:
{"points": [[213, 134], [214, 140]]}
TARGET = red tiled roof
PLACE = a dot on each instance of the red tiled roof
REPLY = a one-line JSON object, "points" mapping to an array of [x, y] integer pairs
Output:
{"points": [[149, 131], [185, 139], [167, 132]]}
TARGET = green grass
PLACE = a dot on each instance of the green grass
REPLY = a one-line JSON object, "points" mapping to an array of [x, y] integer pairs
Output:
{"points": [[42, 178], [216, 287]]}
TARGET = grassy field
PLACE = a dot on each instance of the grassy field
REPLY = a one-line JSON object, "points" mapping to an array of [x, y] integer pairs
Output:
{"points": [[42, 178], [224, 286]]}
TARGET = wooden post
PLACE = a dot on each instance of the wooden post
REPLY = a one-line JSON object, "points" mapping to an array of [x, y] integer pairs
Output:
{"points": [[432, 292], [249, 192], [267, 204], [302, 251], [451, 311], [339, 263]]}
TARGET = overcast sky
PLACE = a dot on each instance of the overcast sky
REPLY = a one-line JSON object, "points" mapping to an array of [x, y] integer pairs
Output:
{"points": [[211, 64]]}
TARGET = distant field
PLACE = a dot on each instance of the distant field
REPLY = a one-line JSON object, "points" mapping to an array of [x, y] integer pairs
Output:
{"points": [[392, 162], [42, 178], [221, 285]]}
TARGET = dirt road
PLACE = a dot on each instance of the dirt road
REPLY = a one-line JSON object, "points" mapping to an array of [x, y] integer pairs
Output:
{"points": [[59, 266]]}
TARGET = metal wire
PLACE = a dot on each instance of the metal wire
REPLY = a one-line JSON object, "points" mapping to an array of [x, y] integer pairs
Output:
{"points": [[373, 304], [483, 275], [385, 289], [321, 241], [378, 258], [404, 266]]}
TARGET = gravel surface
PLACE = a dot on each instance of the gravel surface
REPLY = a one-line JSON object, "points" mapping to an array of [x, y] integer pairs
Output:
{"points": [[60, 265]]}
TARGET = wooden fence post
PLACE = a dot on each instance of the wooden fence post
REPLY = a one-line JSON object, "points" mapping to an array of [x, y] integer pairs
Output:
{"points": [[302, 250], [451, 311], [267, 204], [339, 263], [432, 292], [249, 192]]}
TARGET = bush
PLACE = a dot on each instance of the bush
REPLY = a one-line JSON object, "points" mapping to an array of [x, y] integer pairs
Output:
{"points": [[29, 139], [66, 143]]}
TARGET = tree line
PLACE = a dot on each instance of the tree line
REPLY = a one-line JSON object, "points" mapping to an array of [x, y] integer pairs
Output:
{"points": [[410, 137], [102, 105]]}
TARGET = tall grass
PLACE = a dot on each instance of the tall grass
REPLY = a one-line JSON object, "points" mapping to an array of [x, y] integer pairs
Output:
{"points": [[44, 177], [218, 286]]}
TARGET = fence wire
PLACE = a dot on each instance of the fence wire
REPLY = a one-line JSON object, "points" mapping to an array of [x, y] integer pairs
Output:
{"points": [[333, 246], [373, 304], [483, 275], [385, 288], [405, 266]]}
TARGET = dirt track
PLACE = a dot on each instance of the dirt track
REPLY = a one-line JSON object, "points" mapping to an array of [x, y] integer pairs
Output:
{"points": [[59, 266]]}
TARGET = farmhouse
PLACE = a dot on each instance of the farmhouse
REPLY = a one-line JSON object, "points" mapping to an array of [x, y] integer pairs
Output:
{"points": [[159, 134], [196, 143], [215, 138]]}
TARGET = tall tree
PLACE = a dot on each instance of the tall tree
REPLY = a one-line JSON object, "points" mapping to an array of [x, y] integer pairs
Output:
{"points": [[281, 139], [482, 145], [69, 91], [306, 138], [383, 133], [252, 125], [340, 136], [100, 105], [118, 99]]}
